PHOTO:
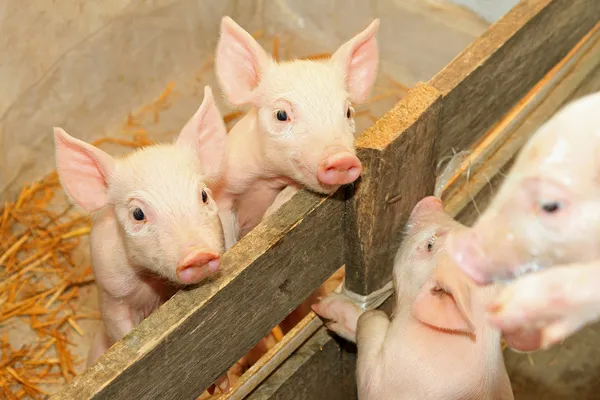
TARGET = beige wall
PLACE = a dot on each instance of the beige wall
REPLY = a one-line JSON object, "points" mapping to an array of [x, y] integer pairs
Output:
{"points": [[490, 10]]}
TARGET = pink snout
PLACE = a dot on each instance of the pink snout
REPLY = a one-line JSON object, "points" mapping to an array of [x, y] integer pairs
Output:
{"points": [[198, 265], [465, 249], [339, 169]]}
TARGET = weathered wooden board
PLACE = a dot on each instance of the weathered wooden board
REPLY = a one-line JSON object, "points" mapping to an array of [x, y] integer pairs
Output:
{"points": [[399, 169], [323, 368], [490, 76], [179, 350], [320, 356]]}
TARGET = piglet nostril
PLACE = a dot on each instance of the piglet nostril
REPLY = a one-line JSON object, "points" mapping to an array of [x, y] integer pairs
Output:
{"points": [[339, 169], [198, 265]]}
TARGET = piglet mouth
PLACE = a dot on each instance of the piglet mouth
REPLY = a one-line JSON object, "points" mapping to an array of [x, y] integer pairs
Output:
{"points": [[309, 178], [198, 265], [515, 273]]}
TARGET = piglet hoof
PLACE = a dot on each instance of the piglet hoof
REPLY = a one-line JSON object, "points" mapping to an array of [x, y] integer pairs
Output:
{"points": [[211, 389], [524, 341], [222, 383], [340, 313]]}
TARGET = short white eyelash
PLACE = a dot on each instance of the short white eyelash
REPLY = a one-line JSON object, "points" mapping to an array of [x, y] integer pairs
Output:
{"points": [[432, 239]]}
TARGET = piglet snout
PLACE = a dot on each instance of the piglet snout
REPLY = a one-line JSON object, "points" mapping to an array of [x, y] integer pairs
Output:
{"points": [[339, 169], [464, 247], [198, 265]]}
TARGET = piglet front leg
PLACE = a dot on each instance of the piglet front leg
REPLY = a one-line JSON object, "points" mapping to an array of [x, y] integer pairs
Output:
{"points": [[341, 315], [556, 303], [371, 331], [100, 344], [281, 198], [117, 322]]}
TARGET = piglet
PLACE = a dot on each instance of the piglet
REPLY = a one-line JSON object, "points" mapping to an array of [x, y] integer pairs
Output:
{"points": [[546, 213], [300, 129], [155, 223], [436, 345]]}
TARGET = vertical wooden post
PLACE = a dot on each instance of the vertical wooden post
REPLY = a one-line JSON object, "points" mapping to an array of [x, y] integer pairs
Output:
{"points": [[398, 157]]}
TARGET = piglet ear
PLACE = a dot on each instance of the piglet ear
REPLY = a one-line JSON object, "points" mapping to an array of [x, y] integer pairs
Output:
{"points": [[206, 133], [240, 62], [83, 170], [359, 58], [445, 303]]}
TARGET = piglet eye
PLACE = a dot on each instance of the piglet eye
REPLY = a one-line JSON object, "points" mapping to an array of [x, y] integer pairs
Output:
{"points": [[551, 207], [204, 196], [430, 243], [281, 116], [348, 114], [138, 214]]}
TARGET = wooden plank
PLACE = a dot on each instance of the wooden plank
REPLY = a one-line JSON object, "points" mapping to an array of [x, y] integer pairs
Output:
{"points": [[179, 350], [483, 82], [397, 155], [323, 368], [319, 357]]}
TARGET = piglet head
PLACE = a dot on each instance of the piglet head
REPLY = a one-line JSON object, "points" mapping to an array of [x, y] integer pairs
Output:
{"points": [[438, 293], [159, 194], [546, 211], [304, 107], [520, 232]]}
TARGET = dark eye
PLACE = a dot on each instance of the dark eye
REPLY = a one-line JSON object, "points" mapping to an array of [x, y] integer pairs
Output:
{"points": [[204, 196], [430, 243], [138, 214], [551, 207], [282, 116], [348, 113]]}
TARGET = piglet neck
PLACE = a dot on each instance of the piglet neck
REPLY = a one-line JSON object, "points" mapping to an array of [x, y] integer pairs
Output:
{"points": [[245, 158]]}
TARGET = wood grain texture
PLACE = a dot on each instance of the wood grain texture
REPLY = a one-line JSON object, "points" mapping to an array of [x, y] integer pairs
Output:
{"points": [[317, 373], [482, 83], [179, 350], [398, 170]]}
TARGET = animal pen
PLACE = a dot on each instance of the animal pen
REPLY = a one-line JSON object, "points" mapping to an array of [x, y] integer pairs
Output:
{"points": [[487, 101]]}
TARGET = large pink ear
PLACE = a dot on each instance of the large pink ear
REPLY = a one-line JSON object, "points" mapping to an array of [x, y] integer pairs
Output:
{"points": [[83, 170], [359, 58], [445, 303], [240, 62], [206, 133]]}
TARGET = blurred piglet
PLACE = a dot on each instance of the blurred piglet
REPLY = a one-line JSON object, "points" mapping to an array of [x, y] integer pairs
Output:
{"points": [[300, 129], [155, 224], [437, 345], [546, 213]]}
